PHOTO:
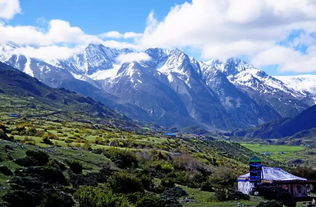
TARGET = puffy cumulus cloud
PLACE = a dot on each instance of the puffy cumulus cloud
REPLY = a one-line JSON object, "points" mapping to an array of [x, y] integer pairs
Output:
{"points": [[287, 59], [57, 40], [58, 31], [47, 53], [61, 31], [9, 8], [131, 57], [258, 29], [118, 35], [225, 28], [119, 44], [112, 34]]}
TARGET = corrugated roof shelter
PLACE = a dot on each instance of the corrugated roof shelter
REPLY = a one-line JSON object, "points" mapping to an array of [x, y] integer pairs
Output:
{"points": [[268, 175]]}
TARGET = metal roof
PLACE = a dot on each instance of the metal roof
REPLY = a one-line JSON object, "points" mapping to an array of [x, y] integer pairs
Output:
{"points": [[273, 174]]}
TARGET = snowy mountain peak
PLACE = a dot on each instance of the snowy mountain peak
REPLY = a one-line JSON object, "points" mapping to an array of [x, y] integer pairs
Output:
{"points": [[94, 58], [305, 84], [161, 53], [170, 87], [176, 59], [234, 66]]}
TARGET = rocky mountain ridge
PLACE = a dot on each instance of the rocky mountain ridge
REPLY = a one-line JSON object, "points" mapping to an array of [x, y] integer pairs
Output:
{"points": [[170, 88]]}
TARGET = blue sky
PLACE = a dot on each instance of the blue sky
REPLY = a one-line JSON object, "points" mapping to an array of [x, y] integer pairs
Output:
{"points": [[277, 36], [94, 16]]}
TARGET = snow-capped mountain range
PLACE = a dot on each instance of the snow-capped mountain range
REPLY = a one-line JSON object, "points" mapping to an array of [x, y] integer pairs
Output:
{"points": [[305, 84], [168, 87]]}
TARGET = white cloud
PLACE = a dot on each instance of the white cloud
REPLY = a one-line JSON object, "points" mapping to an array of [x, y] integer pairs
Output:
{"points": [[119, 44], [48, 53], [131, 57], [225, 28], [118, 35], [112, 34], [287, 59], [58, 40], [61, 31], [9, 8], [133, 35], [216, 28], [58, 31]]}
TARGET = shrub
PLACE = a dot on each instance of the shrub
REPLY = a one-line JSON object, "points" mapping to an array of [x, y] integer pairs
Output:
{"points": [[181, 177], [3, 128], [305, 172], [99, 197], [168, 182], [223, 176], [164, 167], [22, 198], [158, 155], [46, 140], [270, 204], [33, 158], [276, 193], [169, 198], [149, 200], [93, 178], [39, 156], [49, 135], [38, 186], [58, 199], [100, 141], [87, 146], [147, 182], [122, 158], [75, 167], [29, 175], [31, 131], [122, 182], [196, 180], [3, 135], [56, 164], [229, 193], [21, 130], [175, 192], [5, 170], [207, 186], [187, 162]]}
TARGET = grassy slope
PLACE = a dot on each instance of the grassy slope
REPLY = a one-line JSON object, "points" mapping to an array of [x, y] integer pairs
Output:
{"points": [[277, 152], [296, 155], [71, 139], [207, 199], [26, 96], [91, 161]]}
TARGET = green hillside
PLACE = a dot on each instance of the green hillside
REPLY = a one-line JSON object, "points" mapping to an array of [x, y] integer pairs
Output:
{"points": [[157, 162], [61, 149], [25, 96]]}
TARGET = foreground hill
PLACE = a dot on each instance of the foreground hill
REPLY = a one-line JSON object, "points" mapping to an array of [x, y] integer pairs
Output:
{"points": [[25, 96], [303, 122], [51, 162]]}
